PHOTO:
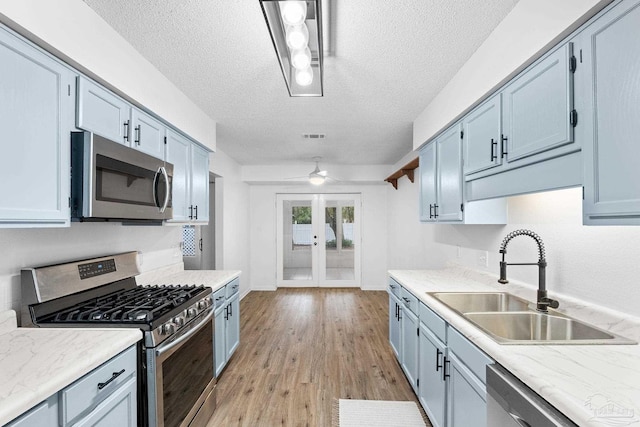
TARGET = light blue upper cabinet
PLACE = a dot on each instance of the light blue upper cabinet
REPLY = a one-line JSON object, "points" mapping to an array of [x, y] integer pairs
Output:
{"points": [[610, 50], [428, 179], [190, 192], [441, 178], [538, 105], [482, 132], [200, 183], [449, 154], [148, 134], [442, 196], [36, 118], [178, 153], [102, 112]]}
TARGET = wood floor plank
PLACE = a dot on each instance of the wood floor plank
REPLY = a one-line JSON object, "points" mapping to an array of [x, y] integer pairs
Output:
{"points": [[300, 349]]}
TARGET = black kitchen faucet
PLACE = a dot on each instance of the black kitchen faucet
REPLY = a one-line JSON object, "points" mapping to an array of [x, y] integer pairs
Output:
{"points": [[543, 302]]}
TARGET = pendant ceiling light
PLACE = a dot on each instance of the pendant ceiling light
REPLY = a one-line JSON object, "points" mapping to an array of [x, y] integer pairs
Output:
{"points": [[296, 31]]}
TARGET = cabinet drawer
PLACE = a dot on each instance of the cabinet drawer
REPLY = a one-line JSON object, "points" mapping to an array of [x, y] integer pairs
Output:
{"points": [[86, 393], [232, 287], [433, 322], [394, 287], [409, 301], [472, 356], [219, 297]]}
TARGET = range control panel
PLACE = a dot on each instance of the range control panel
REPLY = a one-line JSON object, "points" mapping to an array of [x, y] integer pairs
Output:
{"points": [[97, 268]]}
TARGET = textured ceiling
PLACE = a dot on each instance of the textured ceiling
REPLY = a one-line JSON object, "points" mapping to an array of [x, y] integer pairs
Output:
{"points": [[391, 58]]}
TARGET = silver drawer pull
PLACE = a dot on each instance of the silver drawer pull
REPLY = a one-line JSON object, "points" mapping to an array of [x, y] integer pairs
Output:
{"points": [[113, 377]]}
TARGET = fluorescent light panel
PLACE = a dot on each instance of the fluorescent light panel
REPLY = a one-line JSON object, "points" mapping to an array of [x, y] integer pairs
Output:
{"points": [[273, 13]]}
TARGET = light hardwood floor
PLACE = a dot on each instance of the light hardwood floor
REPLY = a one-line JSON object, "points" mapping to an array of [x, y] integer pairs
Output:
{"points": [[302, 348]]}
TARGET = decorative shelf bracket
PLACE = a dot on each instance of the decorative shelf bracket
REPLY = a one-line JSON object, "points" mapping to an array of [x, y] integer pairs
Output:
{"points": [[407, 170]]}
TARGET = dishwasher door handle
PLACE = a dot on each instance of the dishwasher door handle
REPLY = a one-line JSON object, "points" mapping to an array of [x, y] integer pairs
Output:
{"points": [[519, 420]]}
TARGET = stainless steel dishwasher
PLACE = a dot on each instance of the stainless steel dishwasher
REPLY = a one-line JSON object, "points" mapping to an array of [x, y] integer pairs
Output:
{"points": [[510, 403]]}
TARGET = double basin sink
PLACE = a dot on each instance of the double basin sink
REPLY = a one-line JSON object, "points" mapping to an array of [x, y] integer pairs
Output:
{"points": [[509, 319]]}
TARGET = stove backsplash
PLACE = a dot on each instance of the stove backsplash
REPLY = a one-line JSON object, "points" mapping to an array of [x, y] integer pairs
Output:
{"points": [[19, 248]]}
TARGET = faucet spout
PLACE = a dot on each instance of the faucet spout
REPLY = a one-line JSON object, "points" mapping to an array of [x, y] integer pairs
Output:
{"points": [[543, 301]]}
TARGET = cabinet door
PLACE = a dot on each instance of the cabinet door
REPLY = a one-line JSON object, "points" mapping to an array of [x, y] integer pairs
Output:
{"points": [[409, 342], [119, 409], [178, 153], [432, 388], [481, 140], [103, 112], [36, 118], [44, 414], [148, 134], [394, 324], [220, 340], [427, 171], [537, 107], [611, 50], [449, 149], [200, 183], [466, 396], [233, 325]]}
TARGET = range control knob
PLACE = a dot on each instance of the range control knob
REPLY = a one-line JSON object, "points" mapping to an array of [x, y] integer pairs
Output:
{"points": [[204, 304], [179, 321], [192, 312], [168, 328]]}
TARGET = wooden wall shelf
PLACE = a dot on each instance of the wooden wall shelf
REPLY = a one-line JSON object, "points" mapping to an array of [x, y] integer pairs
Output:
{"points": [[407, 170]]}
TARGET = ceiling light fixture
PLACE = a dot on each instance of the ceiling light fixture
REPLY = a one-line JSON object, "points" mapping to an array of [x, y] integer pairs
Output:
{"points": [[296, 31], [317, 177]]}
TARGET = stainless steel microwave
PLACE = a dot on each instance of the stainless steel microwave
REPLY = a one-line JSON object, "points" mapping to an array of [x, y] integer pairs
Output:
{"points": [[110, 181]]}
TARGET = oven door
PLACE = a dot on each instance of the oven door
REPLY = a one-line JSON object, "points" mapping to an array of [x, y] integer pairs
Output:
{"points": [[113, 181], [180, 376]]}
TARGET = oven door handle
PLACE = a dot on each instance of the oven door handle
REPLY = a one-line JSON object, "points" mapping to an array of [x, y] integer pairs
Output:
{"points": [[163, 349]]}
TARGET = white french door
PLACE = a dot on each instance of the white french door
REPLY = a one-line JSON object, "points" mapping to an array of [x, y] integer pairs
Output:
{"points": [[318, 240]]}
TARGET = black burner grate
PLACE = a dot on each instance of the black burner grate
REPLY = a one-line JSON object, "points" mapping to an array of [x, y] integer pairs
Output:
{"points": [[139, 305]]}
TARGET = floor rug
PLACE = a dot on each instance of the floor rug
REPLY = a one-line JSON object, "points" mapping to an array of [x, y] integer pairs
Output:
{"points": [[376, 413]]}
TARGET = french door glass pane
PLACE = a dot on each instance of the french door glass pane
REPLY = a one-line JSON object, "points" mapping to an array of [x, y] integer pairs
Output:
{"points": [[339, 240], [298, 240]]}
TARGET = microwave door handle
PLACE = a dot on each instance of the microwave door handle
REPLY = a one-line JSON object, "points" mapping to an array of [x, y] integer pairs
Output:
{"points": [[167, 190], [155, 189]]}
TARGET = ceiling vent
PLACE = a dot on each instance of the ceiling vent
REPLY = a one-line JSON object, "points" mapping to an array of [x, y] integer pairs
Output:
{"points": [[313, 135]]}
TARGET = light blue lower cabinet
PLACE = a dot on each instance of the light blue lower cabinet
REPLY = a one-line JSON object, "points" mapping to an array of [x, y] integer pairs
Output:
{"points": [[466, 396], [444, 368], [106, 396], [394, 324], [409, 343], [119, 409], [227, 324], [432, 388], [44, 414]]}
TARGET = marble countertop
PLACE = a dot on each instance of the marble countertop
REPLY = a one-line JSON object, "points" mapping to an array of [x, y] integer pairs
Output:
{"points": [[594, 385], [215, 279], [36, 363]]}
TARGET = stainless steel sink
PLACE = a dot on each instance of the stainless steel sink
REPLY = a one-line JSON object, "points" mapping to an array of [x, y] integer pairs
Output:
{"points": [[509, 319], [533, 327], [468, 302]]}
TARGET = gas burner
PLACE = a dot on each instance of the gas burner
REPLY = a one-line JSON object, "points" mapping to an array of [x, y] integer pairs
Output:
{"points": [[137, 305]]}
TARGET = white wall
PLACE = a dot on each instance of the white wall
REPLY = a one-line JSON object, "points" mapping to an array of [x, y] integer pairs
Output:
{"points": [[20, 248], [72, 31], [410, 243], [262, 222], [231, 218], [530, 27], [600, 265]]}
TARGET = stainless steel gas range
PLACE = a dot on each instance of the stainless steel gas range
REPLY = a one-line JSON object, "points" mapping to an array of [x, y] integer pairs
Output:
{"points": [[176, 383]]}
